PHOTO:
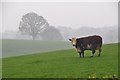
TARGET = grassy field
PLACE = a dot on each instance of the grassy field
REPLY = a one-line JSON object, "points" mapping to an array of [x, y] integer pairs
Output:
{"points": [[63, 64], [25, 47], [0, 68]]}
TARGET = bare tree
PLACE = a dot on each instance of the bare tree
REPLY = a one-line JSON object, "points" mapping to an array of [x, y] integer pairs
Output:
{"points": [[51, 33], [32, 24]]}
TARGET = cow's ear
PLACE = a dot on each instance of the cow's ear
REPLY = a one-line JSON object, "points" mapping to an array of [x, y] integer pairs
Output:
{"points": [[69, 39]]}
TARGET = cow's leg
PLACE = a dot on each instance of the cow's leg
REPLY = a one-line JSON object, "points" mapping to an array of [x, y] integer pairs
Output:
{"points": [[80, 54], [93, 51], [99, 52], [83, 54]]}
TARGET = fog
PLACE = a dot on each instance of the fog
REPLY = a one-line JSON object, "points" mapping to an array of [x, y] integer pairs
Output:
{"points": [[70, 14], [70, 18], [119, 22], [109, 34]]}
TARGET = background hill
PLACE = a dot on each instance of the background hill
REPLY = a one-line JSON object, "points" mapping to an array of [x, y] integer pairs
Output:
{"points": [[24, 47]]}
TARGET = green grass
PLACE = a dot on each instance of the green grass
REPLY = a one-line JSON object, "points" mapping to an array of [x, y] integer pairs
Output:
{"points": [[63, 64], [0, 68]]}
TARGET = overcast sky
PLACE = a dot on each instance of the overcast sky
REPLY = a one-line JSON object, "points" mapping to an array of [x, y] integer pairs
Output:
{"points": [[70, 14]]}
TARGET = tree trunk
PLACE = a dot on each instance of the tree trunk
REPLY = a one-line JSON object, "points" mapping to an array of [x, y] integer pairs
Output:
{"points": [[33, 37]]}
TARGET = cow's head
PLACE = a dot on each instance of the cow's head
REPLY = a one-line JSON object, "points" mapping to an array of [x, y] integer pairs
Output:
{"points": [[73, 40]]}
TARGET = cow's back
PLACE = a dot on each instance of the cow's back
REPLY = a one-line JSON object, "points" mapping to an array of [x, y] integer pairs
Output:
{"points": [[95, 41], [91, 41]]}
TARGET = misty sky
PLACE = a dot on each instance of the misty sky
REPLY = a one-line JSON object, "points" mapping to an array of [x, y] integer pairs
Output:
{"points": [[69, 14]]}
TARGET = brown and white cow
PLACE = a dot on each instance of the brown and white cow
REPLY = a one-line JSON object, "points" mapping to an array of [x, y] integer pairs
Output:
{"points": [[92, 43]]}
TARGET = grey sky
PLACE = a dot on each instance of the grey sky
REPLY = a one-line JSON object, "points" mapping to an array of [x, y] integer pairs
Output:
{"points": [[70, 14]]}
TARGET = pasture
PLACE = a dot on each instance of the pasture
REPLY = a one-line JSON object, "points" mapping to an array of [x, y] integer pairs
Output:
{"points": [[24, 47], [63, 64]]}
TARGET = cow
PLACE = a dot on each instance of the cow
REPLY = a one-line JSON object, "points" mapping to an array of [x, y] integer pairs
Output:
{"points": [[92, 43]]}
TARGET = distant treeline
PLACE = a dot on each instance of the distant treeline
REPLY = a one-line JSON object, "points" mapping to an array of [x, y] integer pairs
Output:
{"points": [[109, 34]]}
